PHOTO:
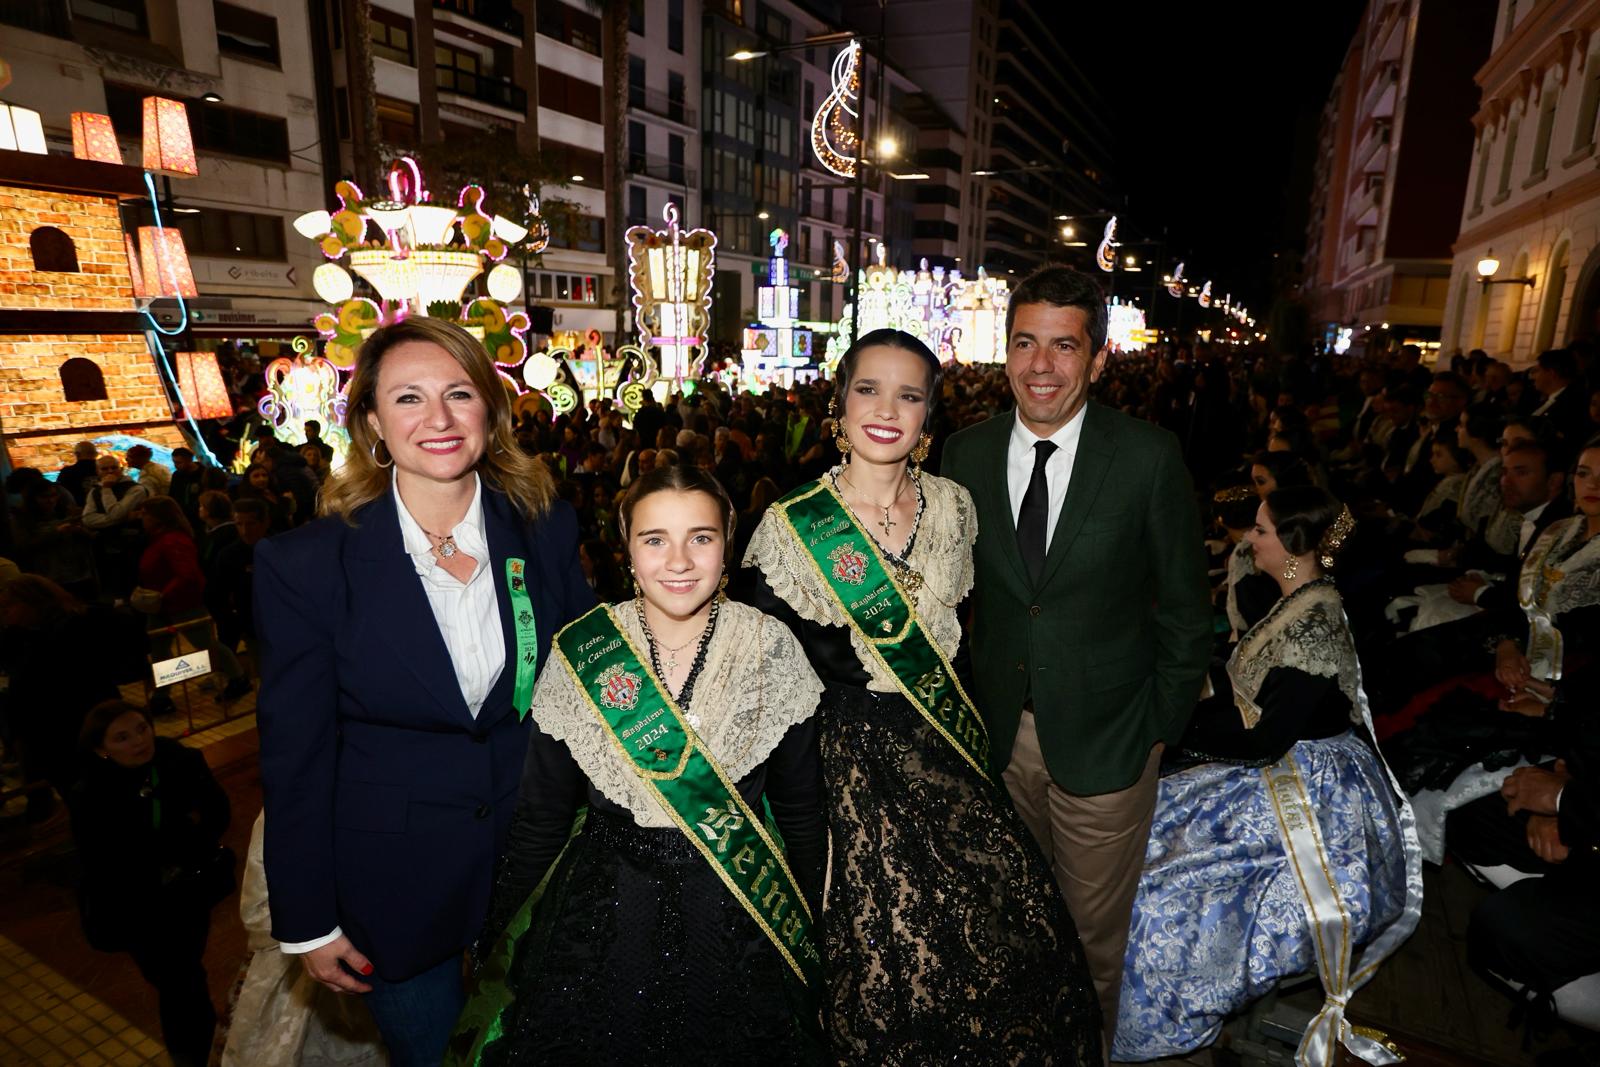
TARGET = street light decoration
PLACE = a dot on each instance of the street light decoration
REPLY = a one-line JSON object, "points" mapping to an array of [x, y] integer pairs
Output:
{"points": [[1176, 283], [1105, 256], [201, 386], [773, 348], [1205, 294], [835, 128], [670, 273], [841, 267]]}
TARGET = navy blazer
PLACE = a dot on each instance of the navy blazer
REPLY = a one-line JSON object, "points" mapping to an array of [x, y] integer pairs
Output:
{"points": [[386, 802]]}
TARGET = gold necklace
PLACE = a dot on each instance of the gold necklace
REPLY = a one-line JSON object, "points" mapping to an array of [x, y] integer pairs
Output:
{"points": [[447, 543]]}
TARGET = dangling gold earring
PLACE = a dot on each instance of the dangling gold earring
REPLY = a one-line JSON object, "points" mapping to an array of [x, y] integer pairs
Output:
{"points": [[920, 452], [722, 589], [841, 439], [1291, 567]]}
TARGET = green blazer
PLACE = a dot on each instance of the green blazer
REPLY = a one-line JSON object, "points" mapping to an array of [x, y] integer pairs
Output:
{"points": [[1113, 641]]}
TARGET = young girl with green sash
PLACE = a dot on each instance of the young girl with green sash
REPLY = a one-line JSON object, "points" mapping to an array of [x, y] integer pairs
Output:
{"points": [[945, 939], [675, 925]]}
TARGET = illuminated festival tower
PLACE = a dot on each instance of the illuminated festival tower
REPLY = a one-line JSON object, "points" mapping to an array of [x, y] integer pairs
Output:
{"points": [[773, 348], [74, 361]]}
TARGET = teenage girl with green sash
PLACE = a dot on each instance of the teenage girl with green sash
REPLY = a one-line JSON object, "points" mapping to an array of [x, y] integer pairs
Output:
{"points": [[945, 939], [674, 926]]}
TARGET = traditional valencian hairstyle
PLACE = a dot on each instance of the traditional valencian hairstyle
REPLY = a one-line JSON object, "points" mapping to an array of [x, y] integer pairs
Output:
{"points": [[503, 465], [1309, 518], [682, 478], [887, 337]]}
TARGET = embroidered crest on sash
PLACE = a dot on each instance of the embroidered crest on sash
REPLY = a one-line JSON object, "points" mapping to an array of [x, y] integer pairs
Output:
{"points": [[849, 565], [619, 689]]}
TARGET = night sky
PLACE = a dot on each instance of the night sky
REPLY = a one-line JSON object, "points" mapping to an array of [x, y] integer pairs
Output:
{"points": [[1215, 108]]}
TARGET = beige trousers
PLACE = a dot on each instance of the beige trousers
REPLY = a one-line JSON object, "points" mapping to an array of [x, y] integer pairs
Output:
{"points": [[1095, 846]]}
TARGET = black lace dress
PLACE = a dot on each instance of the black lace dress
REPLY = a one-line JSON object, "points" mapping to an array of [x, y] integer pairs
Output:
{"points": [[635, 952], [945, 939]]}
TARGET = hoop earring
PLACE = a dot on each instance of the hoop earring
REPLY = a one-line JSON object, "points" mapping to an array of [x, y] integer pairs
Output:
{"points": [[920, 452], [1291, 567], [375, 445]]}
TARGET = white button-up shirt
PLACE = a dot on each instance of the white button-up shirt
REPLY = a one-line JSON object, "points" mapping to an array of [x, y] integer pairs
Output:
{"points": [[468, 613], [1057, 469]]}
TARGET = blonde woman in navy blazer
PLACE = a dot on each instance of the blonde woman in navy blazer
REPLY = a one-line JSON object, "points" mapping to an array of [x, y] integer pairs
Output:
{"points": [[398, 631]]}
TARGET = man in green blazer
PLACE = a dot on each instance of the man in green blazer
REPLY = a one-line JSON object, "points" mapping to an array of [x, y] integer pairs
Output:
{"points": [[1092, 624]]}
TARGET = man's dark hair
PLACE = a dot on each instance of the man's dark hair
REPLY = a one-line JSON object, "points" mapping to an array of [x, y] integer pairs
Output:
{"points": [[1454, 381], [1560, 362], [1064, 287], [184, 452], [1546, 448], [254, 507], [313, 428]]}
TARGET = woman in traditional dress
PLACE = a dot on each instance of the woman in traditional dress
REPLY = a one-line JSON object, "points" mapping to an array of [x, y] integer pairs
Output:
{"points": [[671, 928], [1460, 751], [945, 938], [1283, 843]]}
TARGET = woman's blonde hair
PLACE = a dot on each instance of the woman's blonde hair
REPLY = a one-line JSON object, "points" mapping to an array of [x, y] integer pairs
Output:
{"points": [[502, 466]]}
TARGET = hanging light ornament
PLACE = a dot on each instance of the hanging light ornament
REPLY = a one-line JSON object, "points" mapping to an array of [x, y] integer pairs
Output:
{"points": [[1205, 294], [1106, 255], [835, 128], [94, 138], [1175, 283]]}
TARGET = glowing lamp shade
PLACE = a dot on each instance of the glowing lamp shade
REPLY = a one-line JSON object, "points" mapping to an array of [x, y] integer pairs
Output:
{"points": [[505, 283], [1488, 266], [390, 215], [168, 147], [508, 231], [395, 279], [21, 130], [164, 263], [313, 224], [332, 283], [442, 275], [431, 223], [539, 371], [93, 138], [200, 382]]}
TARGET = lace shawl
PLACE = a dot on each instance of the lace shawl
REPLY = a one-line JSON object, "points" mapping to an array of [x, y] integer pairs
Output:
{"points": [[1241, 564], [1448, 490], [942, 554], [755, 685], [1562, 571], [1480, 500], [1305, 630]]}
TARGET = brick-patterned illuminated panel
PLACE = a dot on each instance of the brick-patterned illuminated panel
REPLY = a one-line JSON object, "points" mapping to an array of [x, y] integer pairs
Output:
{"points": [[31, 397], [103, 282]]}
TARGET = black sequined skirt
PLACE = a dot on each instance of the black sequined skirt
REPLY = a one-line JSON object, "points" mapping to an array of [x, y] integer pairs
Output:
{"points": [[638, 953], [945, 938]]}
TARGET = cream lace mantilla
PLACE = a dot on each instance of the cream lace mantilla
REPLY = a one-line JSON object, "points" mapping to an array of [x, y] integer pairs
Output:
{"points": [[1305, 630], [1562, 571], [755, 685], [942, 554]]}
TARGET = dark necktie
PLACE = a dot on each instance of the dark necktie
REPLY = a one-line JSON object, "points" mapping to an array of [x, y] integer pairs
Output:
{"points": [[1035, 511]]}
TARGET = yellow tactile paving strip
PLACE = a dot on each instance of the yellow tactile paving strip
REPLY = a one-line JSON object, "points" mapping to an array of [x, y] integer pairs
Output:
{"points": [[46, 1021]]}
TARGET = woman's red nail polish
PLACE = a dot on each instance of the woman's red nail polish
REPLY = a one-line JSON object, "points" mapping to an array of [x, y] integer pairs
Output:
{"points": [[367, 969]]}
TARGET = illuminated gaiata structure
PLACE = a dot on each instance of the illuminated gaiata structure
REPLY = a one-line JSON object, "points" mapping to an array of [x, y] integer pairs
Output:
{"points": [[961, 319], [776, 351]]}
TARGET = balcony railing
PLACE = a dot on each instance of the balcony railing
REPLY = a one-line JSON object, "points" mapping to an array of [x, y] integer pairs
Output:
{"points": [[662, 169], [496, 91], [496, 14], [40, 17], [656, 102]]}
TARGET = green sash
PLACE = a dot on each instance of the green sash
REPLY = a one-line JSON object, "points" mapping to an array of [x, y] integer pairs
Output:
{"points": [[867, 591], [650, 734]]}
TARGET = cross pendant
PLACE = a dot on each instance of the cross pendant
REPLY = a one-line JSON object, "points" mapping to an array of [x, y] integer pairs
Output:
{"points": [[887, 523]]}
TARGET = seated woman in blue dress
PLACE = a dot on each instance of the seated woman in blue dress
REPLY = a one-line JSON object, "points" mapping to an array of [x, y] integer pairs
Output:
{"points": [[1281, 844]]}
